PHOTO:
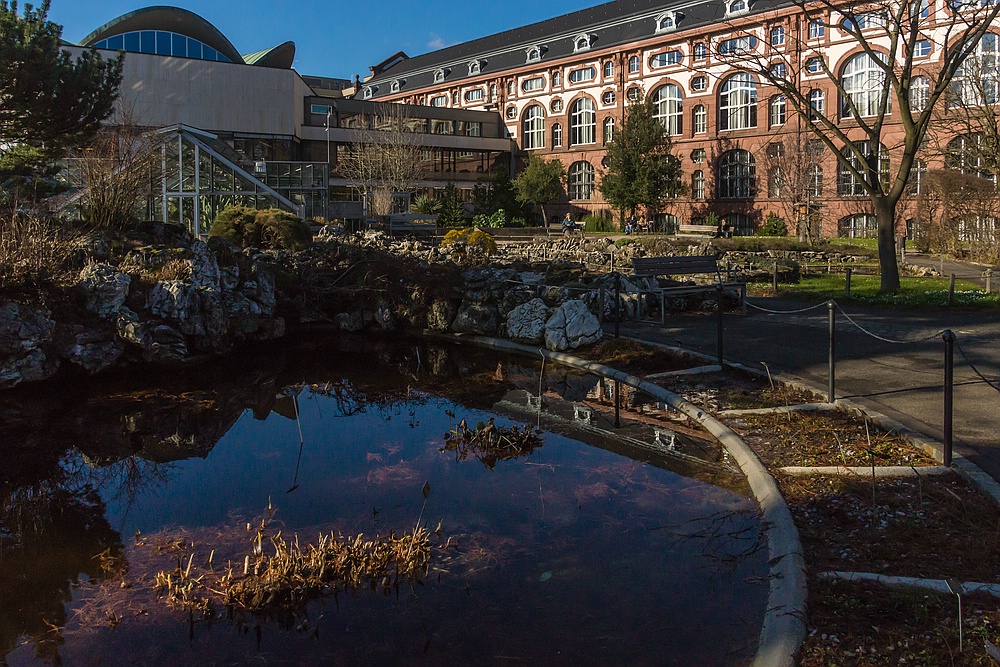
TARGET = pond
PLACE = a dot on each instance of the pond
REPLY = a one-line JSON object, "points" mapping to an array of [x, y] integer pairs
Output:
{"points": [[586, 544]]}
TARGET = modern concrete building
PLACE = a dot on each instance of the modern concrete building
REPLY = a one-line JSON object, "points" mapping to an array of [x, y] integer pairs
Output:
{"points": [[562, 85], [249, 129]]}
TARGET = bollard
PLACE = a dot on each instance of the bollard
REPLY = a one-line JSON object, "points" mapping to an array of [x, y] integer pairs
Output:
{"points": [[951, 289], [949, 392], [618, 301], [832, 373], [718, 309], [774, 278], [618, 421], [847, 282], [989, 280]]}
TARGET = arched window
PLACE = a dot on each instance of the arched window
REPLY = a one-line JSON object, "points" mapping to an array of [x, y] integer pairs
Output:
{"points": [[557, 136], [700, 51], [581, 180], [920, 92], [850, 186], [741, 224], [817, 104], [533, 128], [634, 64], [737, 175], [863, 82], [609, 69], [700, 118], [609, 130], [918, 174], [668, 108], [860, 225], [582, 122], [777, 110], [977, 81], [965, 153], [698, 184], [738, 102], [775, 182]]}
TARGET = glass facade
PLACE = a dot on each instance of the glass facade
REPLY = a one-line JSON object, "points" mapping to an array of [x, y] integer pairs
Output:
{"points": [[161, 43]]}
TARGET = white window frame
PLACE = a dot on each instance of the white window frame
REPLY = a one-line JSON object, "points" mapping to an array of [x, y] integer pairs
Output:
{"points": [[533, 128], [634, 65], [668, 108], [738, 102], [817, 28], [699, 119], [777, 36], [666, 22], [582, 42], [583, 122]]}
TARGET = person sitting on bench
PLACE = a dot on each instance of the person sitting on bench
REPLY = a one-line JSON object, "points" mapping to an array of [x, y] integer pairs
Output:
{"points": [[568, 226]]}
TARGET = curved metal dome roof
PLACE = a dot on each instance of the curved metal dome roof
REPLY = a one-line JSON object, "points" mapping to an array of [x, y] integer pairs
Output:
{"points": [[173, 19]]}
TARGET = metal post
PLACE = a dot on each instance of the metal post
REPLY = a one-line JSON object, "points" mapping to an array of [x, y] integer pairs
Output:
{"points": [[949, 391], [989, 280], [951, 289], [847, 282], [774, 278], [831, 395], [718, 309], [618, 301], [618, 387]]}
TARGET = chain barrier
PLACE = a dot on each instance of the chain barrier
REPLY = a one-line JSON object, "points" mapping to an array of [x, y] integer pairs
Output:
{"points": [[883, 338], [784, 312], [973, 367]]}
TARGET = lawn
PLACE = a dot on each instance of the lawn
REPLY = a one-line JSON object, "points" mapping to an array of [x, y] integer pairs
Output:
{"points": [[914, 292]]}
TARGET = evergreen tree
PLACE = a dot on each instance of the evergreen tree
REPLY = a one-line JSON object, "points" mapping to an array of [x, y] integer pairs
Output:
{"points": [[50, 100], [494, 192], [641, 170], [451, 211], [540, 183]]}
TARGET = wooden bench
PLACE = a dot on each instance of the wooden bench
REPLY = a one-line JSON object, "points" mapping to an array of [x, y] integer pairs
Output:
{"points": [[683, 265], [701, 230]]}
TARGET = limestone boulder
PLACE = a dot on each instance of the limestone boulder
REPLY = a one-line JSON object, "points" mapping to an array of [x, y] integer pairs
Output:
{"points": [[105, 289], [25, 332], [91, 349], [570, 326], [476, 318], [526, 323]]}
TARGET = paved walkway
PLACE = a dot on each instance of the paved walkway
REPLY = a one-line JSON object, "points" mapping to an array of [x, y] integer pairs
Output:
{"points": [[962, 270], [902, 380]]}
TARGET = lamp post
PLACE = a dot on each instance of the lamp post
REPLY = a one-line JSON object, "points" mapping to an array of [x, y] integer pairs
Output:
{"points": [[329, 111]]}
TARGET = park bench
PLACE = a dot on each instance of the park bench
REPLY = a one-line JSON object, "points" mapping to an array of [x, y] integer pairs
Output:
{"points": [[699, 230], [684, 265], [412, 223]]}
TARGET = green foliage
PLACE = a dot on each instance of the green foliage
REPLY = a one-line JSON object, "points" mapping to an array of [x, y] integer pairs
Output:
{"points": [[711, 218], [773, 226], [265, 228], [913, 293], [452, 211], [519, 221], [599, 223], [495, 192], [540, 182], [425, 204], [51, 99], [493, 221], [622, 242], [641, 169], [475, 238]]}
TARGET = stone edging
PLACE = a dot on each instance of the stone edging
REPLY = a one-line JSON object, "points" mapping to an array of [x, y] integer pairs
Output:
{"points": [[936, 585], [784, 627], [972, 473]]}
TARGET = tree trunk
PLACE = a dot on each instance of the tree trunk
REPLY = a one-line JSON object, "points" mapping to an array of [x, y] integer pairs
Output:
{"points": [[545, 219], [885, 213]]}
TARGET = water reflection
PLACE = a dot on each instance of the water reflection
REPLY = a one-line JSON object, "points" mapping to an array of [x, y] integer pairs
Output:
{"points": [[342, 438]]}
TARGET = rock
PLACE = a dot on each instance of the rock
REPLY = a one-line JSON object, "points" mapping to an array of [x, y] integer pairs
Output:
{"points": [[90, 349], [350, 321], [105, 288], [165, 344], [440, 315], [526, 323], [24, 332], [204, 267], [384, 317], [476, 318], [570, 326]]}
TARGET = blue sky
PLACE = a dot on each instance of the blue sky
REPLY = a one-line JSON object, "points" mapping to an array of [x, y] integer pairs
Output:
{"points": [[332, 38]]}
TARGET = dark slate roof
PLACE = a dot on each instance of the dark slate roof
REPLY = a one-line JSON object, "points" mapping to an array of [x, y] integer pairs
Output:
{"points": [[610, 24]]}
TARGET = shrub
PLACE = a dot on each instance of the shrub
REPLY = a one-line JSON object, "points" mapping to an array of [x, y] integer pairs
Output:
{"points": [[494, 220], [35, 250], [773, 226], [474, 238], [712, 218], [425, 204], [265, 228], [599, 223], [517, 222]]}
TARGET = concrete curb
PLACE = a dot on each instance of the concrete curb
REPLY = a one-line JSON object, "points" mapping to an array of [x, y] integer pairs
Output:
{"points": [[936, 585], [784, 627], [863, 471], [972, 473]]}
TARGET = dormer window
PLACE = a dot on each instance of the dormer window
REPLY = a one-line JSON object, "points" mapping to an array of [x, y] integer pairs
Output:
{"points": [[737, 7], [667, 21], [475, 67], [534, 54], [396, 85], [368, 92], [441, 74], [582, 42]]}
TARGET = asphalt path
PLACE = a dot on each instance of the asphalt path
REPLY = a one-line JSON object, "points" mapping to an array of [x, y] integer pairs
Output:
{"points": [[904, 380]]}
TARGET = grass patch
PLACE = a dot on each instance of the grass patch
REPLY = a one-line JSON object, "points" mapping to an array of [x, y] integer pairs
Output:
{"points": [[913, 292]]}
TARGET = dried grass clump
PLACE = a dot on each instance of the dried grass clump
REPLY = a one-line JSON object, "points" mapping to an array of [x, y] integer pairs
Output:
{"points": [[491, 443], [34, 250]]}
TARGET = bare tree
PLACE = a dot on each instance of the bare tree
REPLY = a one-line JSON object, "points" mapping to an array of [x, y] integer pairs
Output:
{"points": [[959, 213], [966, 129], [386, 159], [116, 170], [792, 163], [873, 89]]}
